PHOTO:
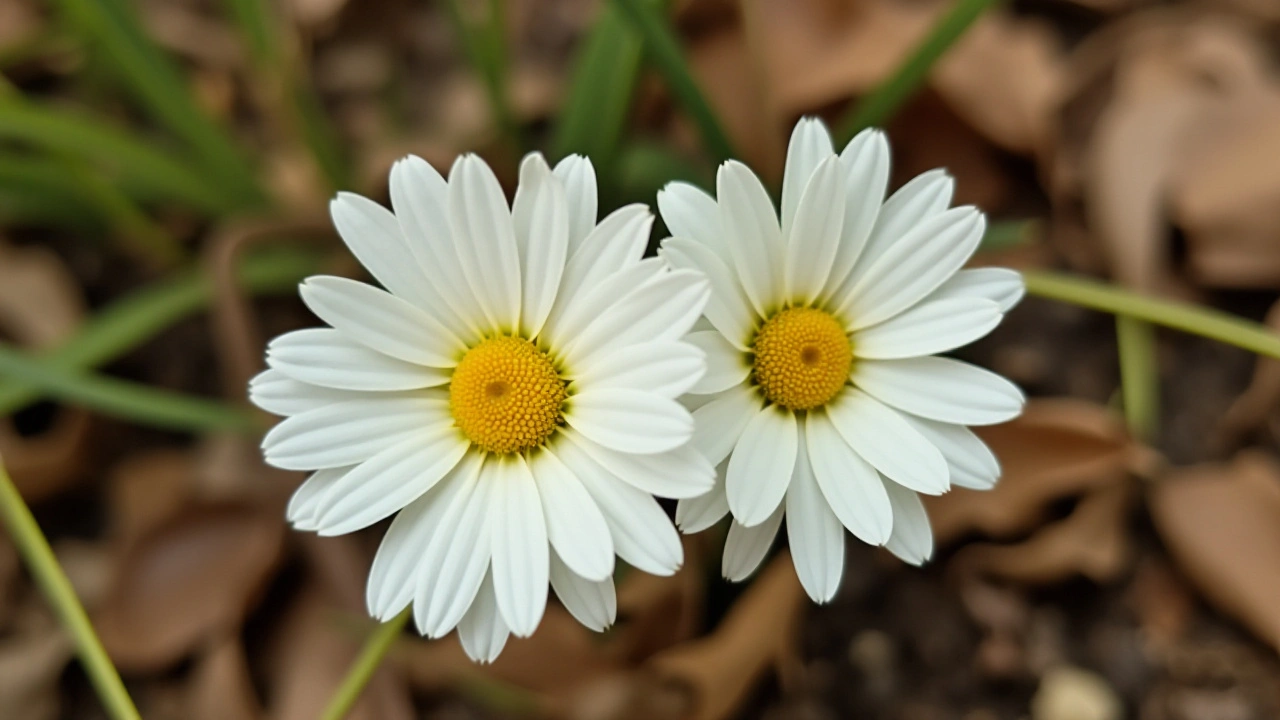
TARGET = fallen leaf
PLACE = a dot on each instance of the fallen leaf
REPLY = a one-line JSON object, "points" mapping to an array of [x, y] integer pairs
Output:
{"points": [[146, 490], [30, 665], [1256, 405], [1221, 522], [1057, 448], [189, 580], [220, 686]]}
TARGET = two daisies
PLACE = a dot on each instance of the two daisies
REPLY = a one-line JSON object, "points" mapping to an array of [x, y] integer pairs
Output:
{"points": [[526, 380]]}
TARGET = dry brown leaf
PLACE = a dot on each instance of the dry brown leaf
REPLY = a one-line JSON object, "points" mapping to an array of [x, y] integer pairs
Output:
{"points": [[1162, 602], [312, 652], [658, 612], [758, 633], [220, 686], [1058, 448], [1092, 541], [1256, 404], [146, 490], [1222, 524], [187, 581], [30, 665]]}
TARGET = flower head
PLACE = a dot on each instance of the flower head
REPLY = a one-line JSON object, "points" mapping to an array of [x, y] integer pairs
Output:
{"points": [[823, 400], [509, 398]]}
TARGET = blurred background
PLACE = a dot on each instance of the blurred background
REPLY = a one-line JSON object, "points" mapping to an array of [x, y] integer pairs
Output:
{"points": [[164, 171]]}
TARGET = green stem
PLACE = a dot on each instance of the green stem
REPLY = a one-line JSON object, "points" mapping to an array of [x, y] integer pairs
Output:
{"points": [[876, 108], [133, 401], [1139, 375], [663, 48], [53, 582], [1193, 319], [371, 655]]}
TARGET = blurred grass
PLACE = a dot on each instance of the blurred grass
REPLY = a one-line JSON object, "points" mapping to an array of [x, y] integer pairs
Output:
{"points": [[484, 44]]}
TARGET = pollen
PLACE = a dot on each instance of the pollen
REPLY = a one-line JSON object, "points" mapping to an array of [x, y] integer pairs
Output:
{"points": [[802, 358], [506, 395]]}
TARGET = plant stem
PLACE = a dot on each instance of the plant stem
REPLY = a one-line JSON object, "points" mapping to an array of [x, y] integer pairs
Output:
{"points": [[879, 106], [1139, 376], [371, 655], [53, 582], [1193, 319]]}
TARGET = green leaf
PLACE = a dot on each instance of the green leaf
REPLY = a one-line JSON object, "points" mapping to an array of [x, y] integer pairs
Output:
{"points": [[664, 50], [644, 168], [485, 46], [135, 319], [1008, 233], [115, 31], [131, 401], [878, 107]]}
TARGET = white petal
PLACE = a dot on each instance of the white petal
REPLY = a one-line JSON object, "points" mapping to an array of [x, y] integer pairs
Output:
{"points": [[540, 216], [482, 631], [912, 539], [568, 320], [699, 513], [485, 238], [381, 321], [940, 389], [575, 526], [680, 473], [866, 165], [719, 423], [420, 197], [810, 144], [761, 464], [1000, 285], [971, 462], [728, 308], [593, 603], [727, 366], [884, 438], [350, 432], [690, 212], [914, 266], [518, 533], [280, 394], [745, 547], [393, 578], [618, 241], [454, 563], [668, 369], [579, 178], [324, 357], [924, 196], [933, 326], [754, 238], [851, 486], [631, 421], [642, 532], [664, 308], [813, 531], [374, 237], [390, 480], [301, 510], [815, 234]]}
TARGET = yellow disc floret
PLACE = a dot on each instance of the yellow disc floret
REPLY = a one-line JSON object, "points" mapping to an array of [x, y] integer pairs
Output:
{"points": [[506, 395], [802, 358]]}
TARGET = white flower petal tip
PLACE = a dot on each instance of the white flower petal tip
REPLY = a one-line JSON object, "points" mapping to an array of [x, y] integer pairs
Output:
{"points": [[824, 398], [506, 392]]}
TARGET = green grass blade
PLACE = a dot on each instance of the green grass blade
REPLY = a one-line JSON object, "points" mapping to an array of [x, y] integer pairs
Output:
{"points": [[1007, 234], [604, 80], [135, 319], [131, 401], [485, 48], [143, 170], [664, 50], [878, 107], [112, 27], [1139, 376], [644, 168]]}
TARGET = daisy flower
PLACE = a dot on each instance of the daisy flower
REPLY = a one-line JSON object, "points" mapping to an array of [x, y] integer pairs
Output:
{"points": [[823, 399], [509, 397]]}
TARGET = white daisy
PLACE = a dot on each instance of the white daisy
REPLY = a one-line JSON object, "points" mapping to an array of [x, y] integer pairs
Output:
{"points": [[822, 391], [511, 394]]}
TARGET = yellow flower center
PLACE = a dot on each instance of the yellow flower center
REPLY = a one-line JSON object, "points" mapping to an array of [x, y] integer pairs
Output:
{"points": [[802, 358], [506, 395]]}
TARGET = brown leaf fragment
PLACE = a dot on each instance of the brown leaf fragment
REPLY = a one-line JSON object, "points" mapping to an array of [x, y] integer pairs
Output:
{"points": [[759, 633], [30, 664], [1221, 522], [193, 578], [220, 686], [1256, 405], [146, 490]]}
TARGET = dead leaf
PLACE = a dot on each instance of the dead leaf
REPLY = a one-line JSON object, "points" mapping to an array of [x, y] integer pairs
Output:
{"points": [[30, 665], [146, 490], [1222, 524], [1162, 603], [1256, 404], [191, 579], [220, 686], [658, 612], [1058, 448], [759, 633], [1069, 693]]}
